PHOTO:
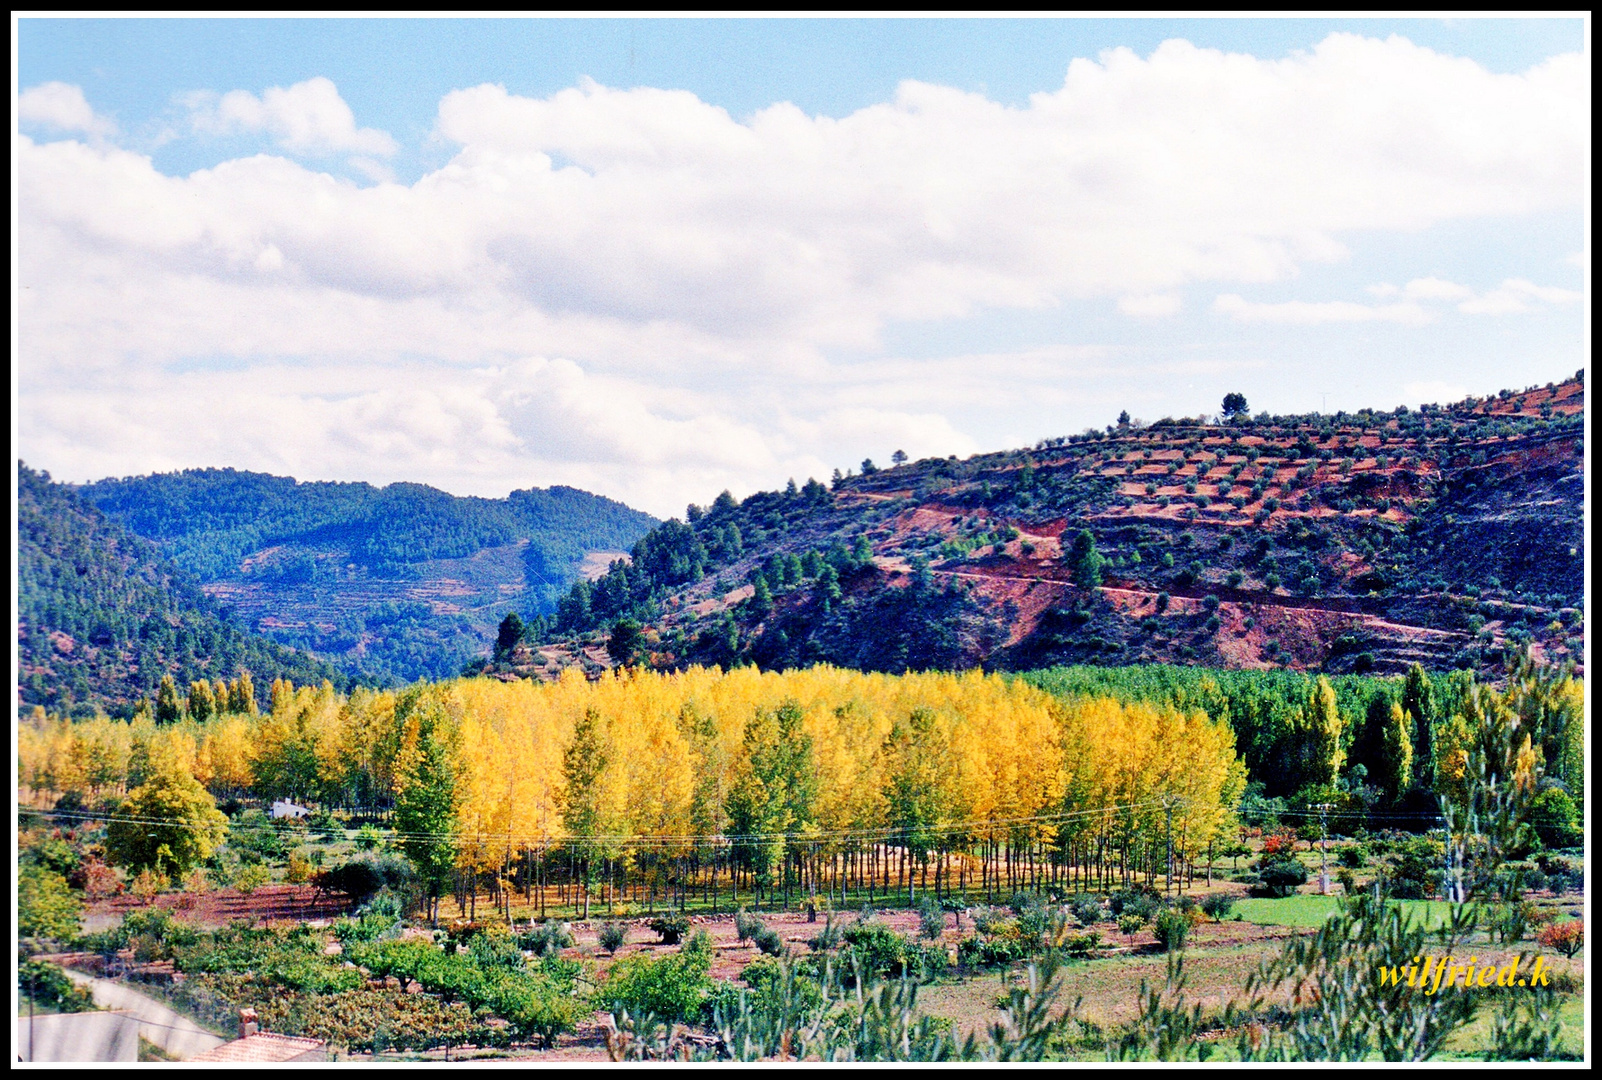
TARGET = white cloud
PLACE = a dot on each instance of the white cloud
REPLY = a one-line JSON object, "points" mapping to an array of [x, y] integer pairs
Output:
{"points": [[309, 117], [1434, 288], [62, 106], [693, 271], [1515, 297], [1155, 306], [1304, 313]]}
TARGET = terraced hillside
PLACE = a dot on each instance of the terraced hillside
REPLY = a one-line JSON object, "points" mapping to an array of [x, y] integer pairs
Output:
{"points": [[391, 583], [1354, 542]]}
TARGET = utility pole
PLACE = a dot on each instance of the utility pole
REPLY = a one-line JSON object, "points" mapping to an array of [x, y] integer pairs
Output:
{"points": [[1323, 849]]}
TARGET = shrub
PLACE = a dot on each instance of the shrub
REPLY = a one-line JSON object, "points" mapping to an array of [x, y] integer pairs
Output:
{"points": [[1218, 905], [1081, 944], [368, 838], [612, 936], [1087, 909], [1567, 938], [148, 883], [363, 875], [1353, 856], [547, 938], [1130, 924], [46, 907], [671, 988], [988, 952], [932, 920], [768, 941], [671, 928], [746, 924], [496, 948], [1172, 927], [300, 869], [1553, 815], [1281, 876], [882, 950]]}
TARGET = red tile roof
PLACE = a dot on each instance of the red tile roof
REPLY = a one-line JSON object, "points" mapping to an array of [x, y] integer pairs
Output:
{"points": [[262, 1046]]}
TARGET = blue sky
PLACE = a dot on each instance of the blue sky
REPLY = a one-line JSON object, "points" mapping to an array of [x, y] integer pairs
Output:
{"points": [[486, 254]]}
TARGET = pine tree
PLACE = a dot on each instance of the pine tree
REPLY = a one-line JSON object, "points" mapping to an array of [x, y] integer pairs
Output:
{"points": [[1084, 561]]}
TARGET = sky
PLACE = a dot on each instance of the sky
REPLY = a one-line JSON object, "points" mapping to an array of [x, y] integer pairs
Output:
{"points": [[657, 259]]}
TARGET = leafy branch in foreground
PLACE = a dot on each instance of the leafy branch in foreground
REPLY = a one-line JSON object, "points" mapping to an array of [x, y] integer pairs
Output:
{"points": [[845, 1012]]}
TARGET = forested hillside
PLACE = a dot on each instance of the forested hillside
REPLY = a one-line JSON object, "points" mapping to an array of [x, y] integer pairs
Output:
{"points": [[393, 583], [103, 614], [1355, 542]]}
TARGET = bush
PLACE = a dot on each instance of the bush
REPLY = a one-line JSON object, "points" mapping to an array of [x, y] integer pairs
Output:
{"points": [[547, 938], [46, 907], [1218, 905], [883, 951], [1172, 927], [932, 920], [1087, 909], [1130, 924], [988, 952], [300, 869], [361, 876], [768, 941], [1081, 944], [747, 925], [671, 928], [1281, 876], [496, 948], [1353, 856], [671, 988], [1567, 938], [612, 936]]}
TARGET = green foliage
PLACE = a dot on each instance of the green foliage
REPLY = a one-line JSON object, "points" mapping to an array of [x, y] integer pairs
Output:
{"points": [[547, 938], [1172, 928], [671, 988], [46, 906], [52, 988], [611, 937], [364, 875], [168, 824], [1281, 875], [931, 919], [1217, 906], [838, 1013], [425, 809], [768, 941], [539, 1004], [671, 927], [747, 925], [1555, 819]]}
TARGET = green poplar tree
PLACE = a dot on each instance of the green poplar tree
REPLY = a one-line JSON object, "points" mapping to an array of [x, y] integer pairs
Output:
{"points": [[201, 703], [584, 815], [168, 708], [425, 798]]}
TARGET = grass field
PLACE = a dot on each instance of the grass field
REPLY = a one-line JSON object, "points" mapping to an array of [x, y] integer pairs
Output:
{"points": [[1311, 911]]}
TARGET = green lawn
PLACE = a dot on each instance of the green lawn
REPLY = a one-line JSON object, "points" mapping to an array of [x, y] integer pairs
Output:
{"points": [[1311, 911]]}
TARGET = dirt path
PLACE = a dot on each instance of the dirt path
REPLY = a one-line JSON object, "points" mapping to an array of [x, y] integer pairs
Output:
{"points": [[173, 1032]]}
